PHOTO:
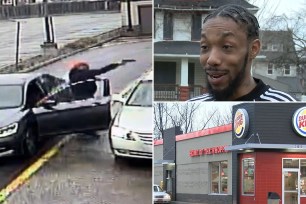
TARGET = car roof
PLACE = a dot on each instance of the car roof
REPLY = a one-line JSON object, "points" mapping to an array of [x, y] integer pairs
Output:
{"points": [[16, 78]]}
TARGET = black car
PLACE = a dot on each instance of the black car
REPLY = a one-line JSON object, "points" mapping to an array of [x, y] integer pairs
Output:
{"points": [[33, 106]]}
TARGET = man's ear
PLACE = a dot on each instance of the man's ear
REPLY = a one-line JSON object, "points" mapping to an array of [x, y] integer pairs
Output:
{"points": [[255, 48]]}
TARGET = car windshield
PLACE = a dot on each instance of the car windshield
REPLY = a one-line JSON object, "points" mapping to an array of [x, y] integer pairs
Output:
{"points": [[11, 96], [157, 189], [142, 95]]}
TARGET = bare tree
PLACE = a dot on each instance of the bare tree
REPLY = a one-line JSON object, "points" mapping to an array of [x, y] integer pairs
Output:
{"points": [[213, 116], [296, 28], [267, 9], [190, 116], [160, 119], [168, 115], [182, 114]]}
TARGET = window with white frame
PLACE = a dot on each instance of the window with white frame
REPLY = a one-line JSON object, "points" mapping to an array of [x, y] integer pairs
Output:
{"points": [[287, 69], [299, 164], [168, 26], [277, 47], [219, 177], [248, 176], [303, 176], [264, 47], [270, 68]]}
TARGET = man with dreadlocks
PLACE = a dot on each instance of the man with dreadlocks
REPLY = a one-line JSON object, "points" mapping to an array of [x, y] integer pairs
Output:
{"points": [[229, 43]]}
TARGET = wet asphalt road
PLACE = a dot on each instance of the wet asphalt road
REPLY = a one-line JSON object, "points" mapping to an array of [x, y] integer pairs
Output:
{"points": [[84, 171]]}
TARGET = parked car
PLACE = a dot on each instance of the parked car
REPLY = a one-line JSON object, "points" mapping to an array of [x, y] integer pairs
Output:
{"points": [[36, 105], [160, 196], [131, 128]]}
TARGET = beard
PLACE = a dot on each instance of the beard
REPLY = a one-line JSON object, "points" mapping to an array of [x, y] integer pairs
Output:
{"points": [[227, 92]]}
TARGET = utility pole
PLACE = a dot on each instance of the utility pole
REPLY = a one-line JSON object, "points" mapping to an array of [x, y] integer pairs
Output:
{"points": [[130, 28], [49, 46], [47, 25], [17, 44]]}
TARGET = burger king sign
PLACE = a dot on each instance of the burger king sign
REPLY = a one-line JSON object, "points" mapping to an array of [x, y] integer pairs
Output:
{"points": [[241, 123], [299, 121]]}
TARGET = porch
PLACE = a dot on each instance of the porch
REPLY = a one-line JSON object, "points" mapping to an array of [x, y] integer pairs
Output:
{"points": [[174, 92]]}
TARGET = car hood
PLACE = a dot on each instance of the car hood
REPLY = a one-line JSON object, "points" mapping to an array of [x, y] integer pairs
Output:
{"points": [[137, 119], [8, 116], [160, 194]]}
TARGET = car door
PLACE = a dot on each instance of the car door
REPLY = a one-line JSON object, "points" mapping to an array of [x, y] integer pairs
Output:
{"points": [[69, 115]]}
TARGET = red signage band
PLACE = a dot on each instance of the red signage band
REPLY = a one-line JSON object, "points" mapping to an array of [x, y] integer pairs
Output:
{"points": [[207, 151]]}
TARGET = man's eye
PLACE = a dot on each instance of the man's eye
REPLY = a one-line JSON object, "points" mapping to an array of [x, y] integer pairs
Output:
{"points": [[204, 47], [226, 47]]}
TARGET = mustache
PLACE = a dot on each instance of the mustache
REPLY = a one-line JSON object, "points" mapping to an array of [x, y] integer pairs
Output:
{"points": [[215, 71]]}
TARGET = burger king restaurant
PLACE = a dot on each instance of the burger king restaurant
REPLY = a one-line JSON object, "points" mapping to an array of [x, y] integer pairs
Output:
{"points": [[259, 158]]}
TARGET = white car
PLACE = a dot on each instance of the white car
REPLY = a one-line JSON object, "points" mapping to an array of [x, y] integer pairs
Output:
{"points": [[160, 196], [131, 129]]}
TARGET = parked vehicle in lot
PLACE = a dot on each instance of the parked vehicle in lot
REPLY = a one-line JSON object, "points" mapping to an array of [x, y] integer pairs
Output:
{"points": [[33, 106], [131, 129], [160, 196]]}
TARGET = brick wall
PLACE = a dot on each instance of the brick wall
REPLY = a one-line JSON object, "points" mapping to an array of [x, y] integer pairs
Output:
{"points": [[268, 175]]}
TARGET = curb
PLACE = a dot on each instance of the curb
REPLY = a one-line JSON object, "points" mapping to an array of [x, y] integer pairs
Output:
{"points": [[58, 58]]}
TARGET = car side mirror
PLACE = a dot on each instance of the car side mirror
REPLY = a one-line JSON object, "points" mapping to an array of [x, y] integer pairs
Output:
{"points": [[117, 103], [117, 98]]}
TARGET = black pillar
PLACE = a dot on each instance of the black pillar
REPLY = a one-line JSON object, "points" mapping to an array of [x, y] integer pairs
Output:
{"points": [[129, 15], [17, 44]]}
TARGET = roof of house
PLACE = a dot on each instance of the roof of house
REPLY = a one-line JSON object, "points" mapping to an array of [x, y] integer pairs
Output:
{"points": [[204, 4], [273, 83], [177, 47], [290, 85], [278, 37], [294, 83]]}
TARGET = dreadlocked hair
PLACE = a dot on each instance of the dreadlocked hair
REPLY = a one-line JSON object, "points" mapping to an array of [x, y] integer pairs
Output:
{"points": [[240, 15]]}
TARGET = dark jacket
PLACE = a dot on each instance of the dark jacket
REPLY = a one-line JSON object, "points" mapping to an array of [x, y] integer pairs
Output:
{"points": [[83, 83]]}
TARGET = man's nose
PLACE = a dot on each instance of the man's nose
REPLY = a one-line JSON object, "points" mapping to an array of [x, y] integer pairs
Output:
{"points": [[214, 58]]}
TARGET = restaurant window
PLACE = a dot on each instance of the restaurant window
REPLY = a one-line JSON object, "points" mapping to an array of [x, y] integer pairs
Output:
{"points": [[219, 177], [248, 176], [299, 164], [291, 163], [303, 177]]}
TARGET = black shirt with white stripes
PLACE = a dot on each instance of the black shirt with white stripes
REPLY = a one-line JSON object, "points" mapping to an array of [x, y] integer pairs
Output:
{"points": [[261, 92]]}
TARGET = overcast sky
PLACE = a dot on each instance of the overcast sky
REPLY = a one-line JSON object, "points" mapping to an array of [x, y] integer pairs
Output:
{"points": [[280, 7]]}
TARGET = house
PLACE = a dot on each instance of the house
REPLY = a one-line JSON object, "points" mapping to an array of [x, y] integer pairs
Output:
{"points": [[178, 74], [137, 15], [277, 60]]}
